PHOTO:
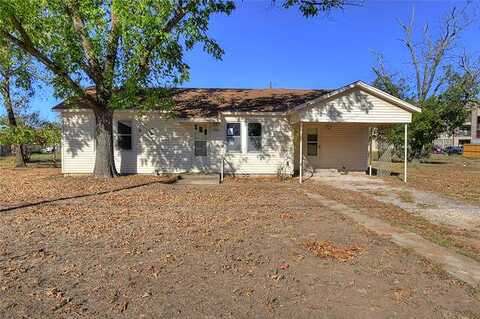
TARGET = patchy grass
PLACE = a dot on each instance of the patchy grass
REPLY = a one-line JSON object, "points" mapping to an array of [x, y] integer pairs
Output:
{"points": [[462, 241], [406, 196], [230, 250], [36, 160], [455, 176]]}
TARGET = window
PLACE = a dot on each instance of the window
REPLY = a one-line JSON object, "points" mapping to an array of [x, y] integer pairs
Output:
{"points": [[124, 135], [254, 137], [464, 130], [234, 143], [200, 148], [200, 141], [478, 126], [312, 142]]}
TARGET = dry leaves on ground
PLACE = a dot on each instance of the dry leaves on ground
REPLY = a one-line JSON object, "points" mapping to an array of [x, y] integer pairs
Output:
{"points": [[326, 249]]}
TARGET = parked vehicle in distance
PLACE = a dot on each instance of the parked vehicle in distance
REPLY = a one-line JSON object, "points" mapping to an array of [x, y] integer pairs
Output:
{"points": [[453, 150], [48, 149], [437, 150]]}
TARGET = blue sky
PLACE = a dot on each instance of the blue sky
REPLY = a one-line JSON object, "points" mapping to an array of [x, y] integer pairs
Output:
{"points": [[265, 43]]}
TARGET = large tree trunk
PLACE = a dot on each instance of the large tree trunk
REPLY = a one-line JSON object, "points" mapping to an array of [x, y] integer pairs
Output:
{"points": [[104, 159], [12, 121], [20, 160]]}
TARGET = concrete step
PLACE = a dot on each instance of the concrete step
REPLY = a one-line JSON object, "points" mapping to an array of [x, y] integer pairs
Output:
{"points": [[328, 172], [198, 179]]}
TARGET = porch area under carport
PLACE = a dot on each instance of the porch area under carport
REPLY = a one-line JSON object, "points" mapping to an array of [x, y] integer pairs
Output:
{"points": [[323, 148], [332, 131]]}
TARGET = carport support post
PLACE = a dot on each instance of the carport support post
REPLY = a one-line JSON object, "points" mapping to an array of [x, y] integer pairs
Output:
{"points": [[405, 155], [301, 153], [370, 151]]}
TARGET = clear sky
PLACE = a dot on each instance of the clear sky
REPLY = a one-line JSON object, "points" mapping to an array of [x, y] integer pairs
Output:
{"points": [[265, 43]]}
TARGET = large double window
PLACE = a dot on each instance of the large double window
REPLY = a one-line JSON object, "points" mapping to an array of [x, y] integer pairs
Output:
{"points": [[124, 135], [234, 137]]}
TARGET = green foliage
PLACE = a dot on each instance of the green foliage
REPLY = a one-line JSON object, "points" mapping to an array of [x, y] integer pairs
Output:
{"points": [[16, 135], [311, 8], [389, 83], [47, 134], [442, 113], [16, 68], [461, 93], [144, 41]]}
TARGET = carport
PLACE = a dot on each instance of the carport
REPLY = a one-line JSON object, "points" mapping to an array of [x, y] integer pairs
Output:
{"points": [[332, 132]]}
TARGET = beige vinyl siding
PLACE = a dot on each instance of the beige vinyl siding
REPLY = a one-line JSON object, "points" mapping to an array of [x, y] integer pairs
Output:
{"points": [[157, 144], [78, 147], [277, 147], [475, 125], [343, 147], [163, 145], [340, 146], [167, 145], [354, 106]]}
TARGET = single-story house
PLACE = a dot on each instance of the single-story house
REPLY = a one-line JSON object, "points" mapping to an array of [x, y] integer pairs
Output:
{"points": [[239, 131]]}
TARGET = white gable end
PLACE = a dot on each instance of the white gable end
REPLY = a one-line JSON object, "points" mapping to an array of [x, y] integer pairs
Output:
{"points": [[353, 106]]}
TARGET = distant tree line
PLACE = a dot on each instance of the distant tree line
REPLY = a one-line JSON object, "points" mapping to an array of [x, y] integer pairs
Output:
{"points": [[440, 77]]}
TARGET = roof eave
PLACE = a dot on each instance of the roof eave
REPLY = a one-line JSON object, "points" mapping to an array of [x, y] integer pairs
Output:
{"points": [[360, 84]]}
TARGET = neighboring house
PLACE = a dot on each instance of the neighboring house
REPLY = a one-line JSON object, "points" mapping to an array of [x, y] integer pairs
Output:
{"points": [[475, 125], [462, 136], [250, 131]]}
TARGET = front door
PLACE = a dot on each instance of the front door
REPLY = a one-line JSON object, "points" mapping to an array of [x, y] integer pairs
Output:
{"points": [[200, 148]]}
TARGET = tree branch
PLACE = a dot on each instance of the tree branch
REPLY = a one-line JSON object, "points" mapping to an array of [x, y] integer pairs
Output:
{"points": [[179, 14], [93, 65], [112, 48], [438, 51], [27, 45], [408, 40]]}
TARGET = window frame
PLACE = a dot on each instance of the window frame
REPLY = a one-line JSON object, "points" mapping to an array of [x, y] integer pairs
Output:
{"points": [[239, 136], [312, 142], [200, 136], [195, 153], [478, 126], [257, 136], [119, 135]]}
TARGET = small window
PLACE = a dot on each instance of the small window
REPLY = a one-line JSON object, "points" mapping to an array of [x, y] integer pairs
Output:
{"points": [[124, 135], [478, 126], [200, 148], [254, 137], [312, 142], [233, 140]]}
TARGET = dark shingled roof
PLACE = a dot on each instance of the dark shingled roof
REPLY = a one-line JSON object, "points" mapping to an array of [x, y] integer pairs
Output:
{"points": [[193, 102]]}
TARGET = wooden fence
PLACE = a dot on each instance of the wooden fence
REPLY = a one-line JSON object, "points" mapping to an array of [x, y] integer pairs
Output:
{"points": [[471, 150]]}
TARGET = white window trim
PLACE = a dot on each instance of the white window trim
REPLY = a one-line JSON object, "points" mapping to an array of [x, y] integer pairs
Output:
{"points": [[308, 142], [127, 121], [242, 142], [261, 137]]}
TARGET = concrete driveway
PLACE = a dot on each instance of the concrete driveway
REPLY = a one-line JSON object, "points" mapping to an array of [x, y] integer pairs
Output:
{"points": [[434, 207]]}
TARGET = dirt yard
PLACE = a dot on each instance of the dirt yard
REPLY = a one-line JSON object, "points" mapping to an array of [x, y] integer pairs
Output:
{"points": [[454, 176], [238, 250]]}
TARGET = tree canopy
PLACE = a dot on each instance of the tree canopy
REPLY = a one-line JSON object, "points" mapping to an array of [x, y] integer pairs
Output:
{"points": [[106, 44], [118, 47]]}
